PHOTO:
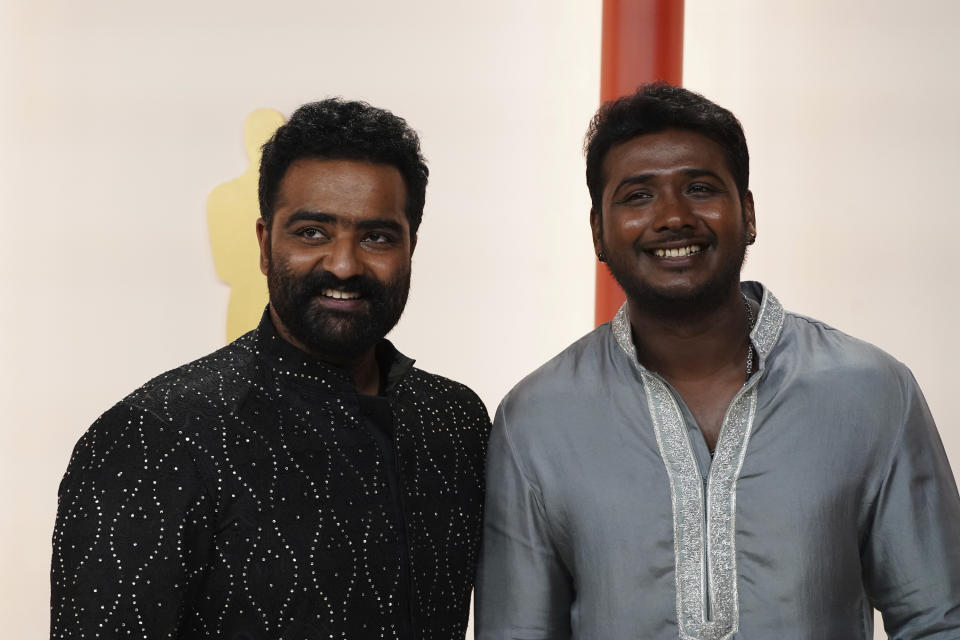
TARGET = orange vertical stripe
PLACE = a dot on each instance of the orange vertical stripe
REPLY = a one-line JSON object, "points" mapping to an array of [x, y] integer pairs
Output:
{"points": [[642, 42]]}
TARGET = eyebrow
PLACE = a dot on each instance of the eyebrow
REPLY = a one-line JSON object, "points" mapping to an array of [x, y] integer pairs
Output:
{"points": [[367, 224], [643, 178], [640, 178], [697, 173]]}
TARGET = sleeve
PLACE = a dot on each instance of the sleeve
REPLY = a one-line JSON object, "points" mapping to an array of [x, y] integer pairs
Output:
{"points": [[911, 557], [524, 591], [133, 528]]}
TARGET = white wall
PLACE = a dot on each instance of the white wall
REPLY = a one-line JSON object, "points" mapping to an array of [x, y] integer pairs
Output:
{"points": [[118, 118]]}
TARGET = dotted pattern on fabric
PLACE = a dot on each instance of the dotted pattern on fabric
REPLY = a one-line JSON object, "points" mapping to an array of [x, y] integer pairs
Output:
{"points": [[238, 496]]}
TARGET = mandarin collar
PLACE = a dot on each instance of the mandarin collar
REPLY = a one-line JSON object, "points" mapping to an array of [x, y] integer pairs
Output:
{"points": [[287, 359], [764, 335]]}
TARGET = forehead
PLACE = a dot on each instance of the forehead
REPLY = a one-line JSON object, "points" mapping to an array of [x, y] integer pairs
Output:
{"points": [[349, 188], [664, 152]]}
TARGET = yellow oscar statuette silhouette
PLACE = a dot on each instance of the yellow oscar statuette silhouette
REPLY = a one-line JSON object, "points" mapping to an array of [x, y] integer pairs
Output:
{"points": [[232, 212]]}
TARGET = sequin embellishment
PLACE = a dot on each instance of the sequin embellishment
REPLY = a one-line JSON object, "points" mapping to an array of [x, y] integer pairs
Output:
{"points": [[240, 496]]}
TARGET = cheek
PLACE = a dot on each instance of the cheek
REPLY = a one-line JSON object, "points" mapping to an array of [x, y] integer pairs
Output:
{"points": [[721, 222], [292, 265], [724, 213], [624, 228], [391, 268], [295, 257], [388, 268]]}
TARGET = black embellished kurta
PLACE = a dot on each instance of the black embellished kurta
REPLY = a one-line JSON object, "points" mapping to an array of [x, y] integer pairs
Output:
{"points": [[243, 496]]}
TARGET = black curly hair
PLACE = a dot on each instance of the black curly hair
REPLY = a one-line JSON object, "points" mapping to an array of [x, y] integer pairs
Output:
{"points": [[345, 130], [656, 107]]}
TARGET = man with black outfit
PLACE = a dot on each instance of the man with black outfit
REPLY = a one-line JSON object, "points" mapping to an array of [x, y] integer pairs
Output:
{"points": [[305, 481]]}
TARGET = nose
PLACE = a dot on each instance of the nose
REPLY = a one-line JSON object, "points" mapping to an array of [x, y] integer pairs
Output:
{"points": [[343, 260], [673, 213]]}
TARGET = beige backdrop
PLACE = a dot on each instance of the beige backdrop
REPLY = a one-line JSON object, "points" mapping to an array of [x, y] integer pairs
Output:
{"points": [[117, 118]]}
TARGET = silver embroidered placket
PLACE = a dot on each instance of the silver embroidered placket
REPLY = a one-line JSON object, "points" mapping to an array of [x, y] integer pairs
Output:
{"points": [[704, 525]]}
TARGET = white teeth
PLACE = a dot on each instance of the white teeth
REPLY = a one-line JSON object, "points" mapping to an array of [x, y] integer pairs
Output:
{"points": [[679, 252], [340, 295]]}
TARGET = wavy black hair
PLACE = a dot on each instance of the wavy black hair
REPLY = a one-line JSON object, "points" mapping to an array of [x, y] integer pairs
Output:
{"points": [[345, 130], [656, 107]]}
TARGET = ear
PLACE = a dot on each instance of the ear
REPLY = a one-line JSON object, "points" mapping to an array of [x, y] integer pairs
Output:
{"points": [[749, 214], [263, 239], [596, 226]]}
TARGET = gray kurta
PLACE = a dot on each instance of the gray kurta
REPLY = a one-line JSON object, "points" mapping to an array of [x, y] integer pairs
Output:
{"points": [[829, 494]]}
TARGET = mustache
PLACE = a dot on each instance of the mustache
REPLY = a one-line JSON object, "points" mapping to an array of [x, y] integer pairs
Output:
{"points": [[316, 282]]}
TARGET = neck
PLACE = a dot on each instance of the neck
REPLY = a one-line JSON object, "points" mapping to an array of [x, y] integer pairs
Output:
{"points": [[693, 345], [363, 369]]}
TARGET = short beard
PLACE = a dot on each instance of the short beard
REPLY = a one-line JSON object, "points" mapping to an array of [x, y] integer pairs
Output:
{"points": [[680, 305], [334, 333]]}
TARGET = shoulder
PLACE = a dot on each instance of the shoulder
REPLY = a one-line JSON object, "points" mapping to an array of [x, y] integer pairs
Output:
{"points": [[819, 338], [838, 360], [569, 390], [574, 371], [543, 417], [166, 418], [430, 388], [211, 386], [128, 444], [226, 368], [157, 409]]}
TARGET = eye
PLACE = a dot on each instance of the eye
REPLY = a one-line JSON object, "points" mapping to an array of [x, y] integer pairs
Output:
{"points": [[311, 233], [635, 197], [379, 237], [702, 188]]}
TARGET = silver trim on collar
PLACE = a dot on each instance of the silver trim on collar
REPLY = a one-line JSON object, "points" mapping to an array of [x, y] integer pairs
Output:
{"points": [[766, 331], [704, 528]]}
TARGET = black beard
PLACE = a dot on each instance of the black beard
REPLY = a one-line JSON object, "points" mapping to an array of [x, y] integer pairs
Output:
{"points": [[680, 305], [335, 333]]}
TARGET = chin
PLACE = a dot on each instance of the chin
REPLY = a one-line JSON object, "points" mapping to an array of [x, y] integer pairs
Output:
{"points": [[678, 291], [677, 298]]}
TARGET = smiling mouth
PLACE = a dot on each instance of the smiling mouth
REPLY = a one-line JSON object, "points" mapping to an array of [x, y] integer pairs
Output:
{"points": [[336, 294], [679, 252]]}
